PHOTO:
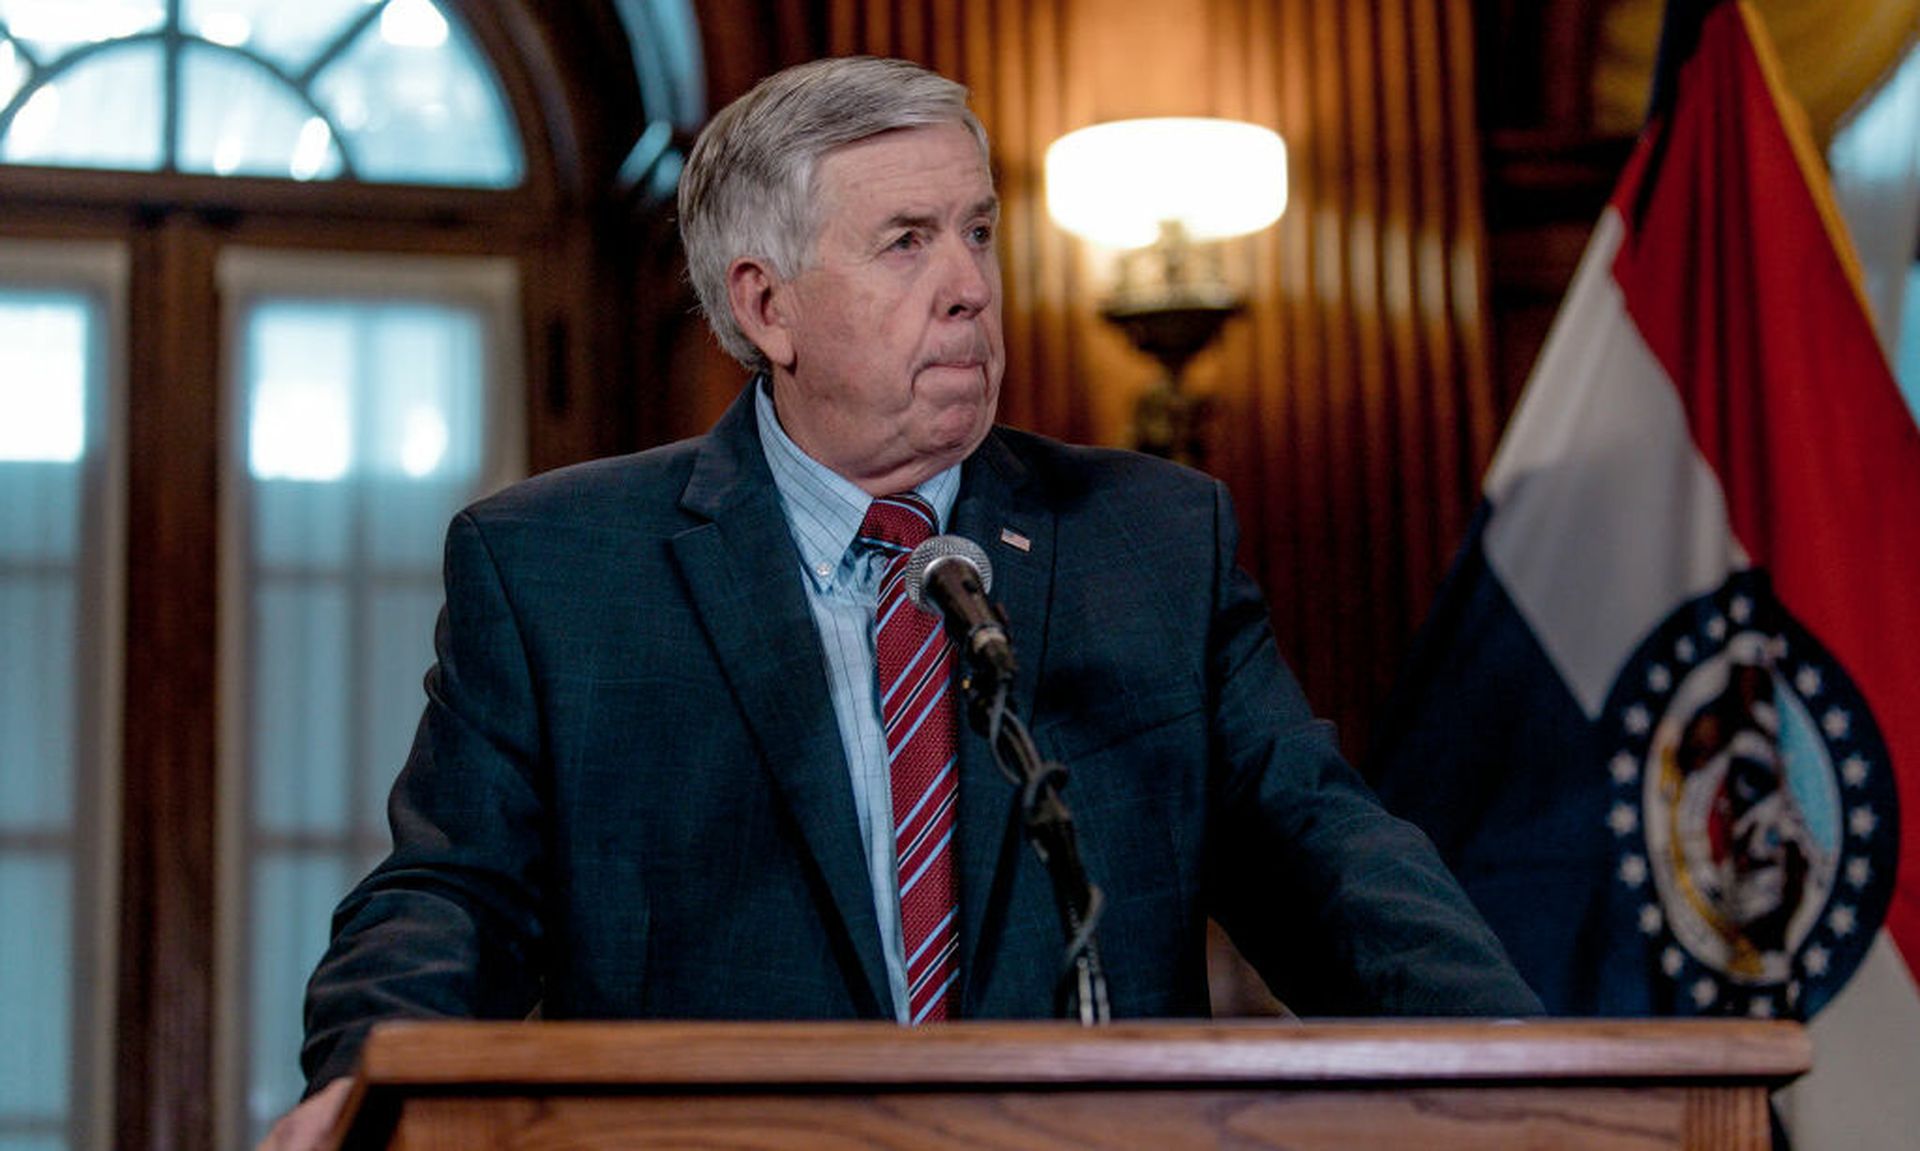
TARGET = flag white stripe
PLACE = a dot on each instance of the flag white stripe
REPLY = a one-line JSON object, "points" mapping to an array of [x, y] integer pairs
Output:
{"points": [[1599, 461], [1866, 1048]]}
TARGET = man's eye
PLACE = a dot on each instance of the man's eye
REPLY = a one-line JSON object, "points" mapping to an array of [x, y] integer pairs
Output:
{"points": [[982, 234], [905, 242]]}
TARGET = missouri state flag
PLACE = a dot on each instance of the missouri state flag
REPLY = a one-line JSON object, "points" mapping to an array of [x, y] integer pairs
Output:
{"points": [[1665, 719]]}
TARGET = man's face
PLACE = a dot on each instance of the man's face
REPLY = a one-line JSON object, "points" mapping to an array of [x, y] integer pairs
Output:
{"points": [[892, 358]]}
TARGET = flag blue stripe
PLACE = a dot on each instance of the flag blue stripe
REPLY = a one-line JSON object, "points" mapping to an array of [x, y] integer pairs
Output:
{"points": [[1488, 751]]}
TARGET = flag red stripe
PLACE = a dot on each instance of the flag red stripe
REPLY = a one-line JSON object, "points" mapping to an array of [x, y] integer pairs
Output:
{"points": [[1732, 278]]}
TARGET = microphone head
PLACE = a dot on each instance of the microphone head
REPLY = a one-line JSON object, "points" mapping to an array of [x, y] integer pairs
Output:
{"points": [[944, 548]]}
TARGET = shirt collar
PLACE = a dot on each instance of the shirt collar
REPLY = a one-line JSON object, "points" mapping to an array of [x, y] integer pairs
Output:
{"points": [[824, 509]]}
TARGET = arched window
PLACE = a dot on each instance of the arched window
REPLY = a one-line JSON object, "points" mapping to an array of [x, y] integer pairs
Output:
{"points": [[283, 283], [376, 90]]}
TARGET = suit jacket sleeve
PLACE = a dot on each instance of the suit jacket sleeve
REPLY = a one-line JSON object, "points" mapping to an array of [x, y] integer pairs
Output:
{"points": [[448, 925], [1343, 908]]}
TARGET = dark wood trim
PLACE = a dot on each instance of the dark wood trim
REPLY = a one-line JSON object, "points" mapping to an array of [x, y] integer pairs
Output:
{"points": [[215, 197], [164, 1084]]}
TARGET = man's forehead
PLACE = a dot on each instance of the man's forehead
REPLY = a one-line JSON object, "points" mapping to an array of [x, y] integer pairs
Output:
{"points": [[915, 147], [930, 169]]}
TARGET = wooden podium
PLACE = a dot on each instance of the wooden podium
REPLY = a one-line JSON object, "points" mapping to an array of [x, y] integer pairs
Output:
{"points": [[1433, 1086]]}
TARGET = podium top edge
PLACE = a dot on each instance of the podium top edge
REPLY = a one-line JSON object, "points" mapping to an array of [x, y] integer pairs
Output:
{"points": [[607, 1055]]}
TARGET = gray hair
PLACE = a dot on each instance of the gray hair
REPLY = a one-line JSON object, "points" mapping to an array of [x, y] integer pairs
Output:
{"points": [[747, 190]]}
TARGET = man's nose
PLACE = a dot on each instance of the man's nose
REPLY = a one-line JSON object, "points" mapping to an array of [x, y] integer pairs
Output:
{"points": [[967, 288]]}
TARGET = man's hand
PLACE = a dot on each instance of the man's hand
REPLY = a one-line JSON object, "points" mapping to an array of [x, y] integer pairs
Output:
{"points": [[305, 1128]]}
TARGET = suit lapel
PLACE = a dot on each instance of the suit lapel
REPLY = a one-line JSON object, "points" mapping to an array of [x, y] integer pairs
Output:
{"points": [[995, 510], [739, 569]]}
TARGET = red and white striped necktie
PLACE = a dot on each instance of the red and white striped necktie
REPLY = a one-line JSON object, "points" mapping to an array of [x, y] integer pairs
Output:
{"points": [[914, 663]]}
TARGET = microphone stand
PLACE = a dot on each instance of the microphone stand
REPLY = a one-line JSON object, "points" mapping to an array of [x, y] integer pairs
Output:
{"points": [[1082, 988]]}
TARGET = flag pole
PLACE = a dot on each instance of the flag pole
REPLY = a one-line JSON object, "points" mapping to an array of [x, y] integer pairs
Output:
{"points": [[1679, 36]]}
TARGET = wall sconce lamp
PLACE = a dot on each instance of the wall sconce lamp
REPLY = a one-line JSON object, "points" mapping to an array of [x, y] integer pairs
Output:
{"points": [[1162, 192]]}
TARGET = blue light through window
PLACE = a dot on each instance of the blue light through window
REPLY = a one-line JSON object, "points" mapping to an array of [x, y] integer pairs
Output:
{"points": [[385, 91]]}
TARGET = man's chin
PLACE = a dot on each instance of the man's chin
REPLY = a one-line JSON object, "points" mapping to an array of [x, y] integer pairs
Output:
{"points": [[945, 384], [960, 426]]}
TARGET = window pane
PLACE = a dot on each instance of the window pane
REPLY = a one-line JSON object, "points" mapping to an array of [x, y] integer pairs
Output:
{"points": [[399, 649], [49, 27], [301, 361], [415, 102], [291, 906], [301, 524], [412, 520], [43, 358], [39, 510], [426, 416], [13, 70], [291, 35], [37, 725], [105, 112], [300, 685], [36, 988], [240, 119]]}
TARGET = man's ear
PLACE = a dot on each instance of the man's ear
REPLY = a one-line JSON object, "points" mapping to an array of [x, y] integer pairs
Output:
{"points": [[762, 306]]}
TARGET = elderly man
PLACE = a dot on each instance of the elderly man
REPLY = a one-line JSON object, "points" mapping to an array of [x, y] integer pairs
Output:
{"points": [[674, 764]]}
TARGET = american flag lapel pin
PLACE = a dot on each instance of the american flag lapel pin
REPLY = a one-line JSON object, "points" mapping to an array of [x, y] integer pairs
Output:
{"points": [[1015, 540]]}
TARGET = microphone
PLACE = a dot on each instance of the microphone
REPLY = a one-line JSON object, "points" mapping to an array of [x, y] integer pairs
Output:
{"points": [[949, 576]]}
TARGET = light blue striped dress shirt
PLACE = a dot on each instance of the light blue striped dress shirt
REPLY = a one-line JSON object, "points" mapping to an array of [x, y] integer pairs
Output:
{"points": [[824, 511]]}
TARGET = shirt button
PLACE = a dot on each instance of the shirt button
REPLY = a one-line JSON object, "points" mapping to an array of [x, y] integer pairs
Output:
{"points": [[824, 570]]}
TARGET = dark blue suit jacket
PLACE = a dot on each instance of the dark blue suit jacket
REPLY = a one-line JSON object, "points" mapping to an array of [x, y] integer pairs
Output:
{"points": [[628, 796]]}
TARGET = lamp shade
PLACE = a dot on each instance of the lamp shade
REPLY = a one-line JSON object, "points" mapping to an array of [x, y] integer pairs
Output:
{"points": [[1117, 183]]}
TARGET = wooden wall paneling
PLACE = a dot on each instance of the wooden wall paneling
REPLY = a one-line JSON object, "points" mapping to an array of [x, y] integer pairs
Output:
{"points": [[1472, 299], [1434, 449], [1261, 418], [744, 40], [1548, 169], [559, 358], [1233, 375], [1059, 393], [1331, 648], [1292, 513], [876, 32], [845, 27], [1415, 417], [1345, 391], [163, 1084], [1010, 106], [910, 31], [946, 51], [1538, 62], [1383, 461]]}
